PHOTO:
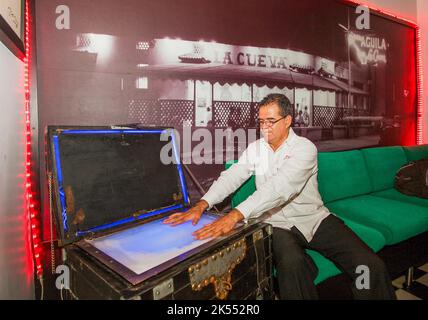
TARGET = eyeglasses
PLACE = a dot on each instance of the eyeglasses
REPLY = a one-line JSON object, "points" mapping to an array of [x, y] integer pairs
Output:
{"points": [[268, 123]]}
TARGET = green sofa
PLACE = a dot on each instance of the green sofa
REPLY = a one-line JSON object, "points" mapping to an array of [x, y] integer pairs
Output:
{"points": [[357, 186]]}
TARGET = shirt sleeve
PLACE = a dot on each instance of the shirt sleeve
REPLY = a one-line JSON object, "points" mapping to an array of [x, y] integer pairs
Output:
{"points": [[231, 179], [288, 182]]}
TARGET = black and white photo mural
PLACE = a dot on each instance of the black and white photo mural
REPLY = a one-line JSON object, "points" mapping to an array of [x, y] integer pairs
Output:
{"points": [[201, 66]]}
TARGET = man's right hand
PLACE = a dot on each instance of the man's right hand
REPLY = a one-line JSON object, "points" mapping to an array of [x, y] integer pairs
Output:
{"points": [[194, 214]]}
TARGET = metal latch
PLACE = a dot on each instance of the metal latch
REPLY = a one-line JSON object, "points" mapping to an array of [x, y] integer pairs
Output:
{"points": [[163, 290], [258, 235], [269, 229], [217, 269]]}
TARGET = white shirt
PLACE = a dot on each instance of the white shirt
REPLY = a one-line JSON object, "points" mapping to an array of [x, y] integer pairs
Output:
{"points": [[286, 184]]}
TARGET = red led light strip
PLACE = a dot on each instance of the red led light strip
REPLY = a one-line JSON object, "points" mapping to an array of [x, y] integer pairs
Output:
{"points": [[31, 206], [420, 86], [419, 66]]}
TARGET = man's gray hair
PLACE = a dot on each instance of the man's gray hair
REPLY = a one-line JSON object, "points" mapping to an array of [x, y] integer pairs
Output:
{"points": [[285, 107]]}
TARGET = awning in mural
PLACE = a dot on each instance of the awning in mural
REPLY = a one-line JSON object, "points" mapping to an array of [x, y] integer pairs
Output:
{"points": [[344, 86], [313, 81], [227, 73]]}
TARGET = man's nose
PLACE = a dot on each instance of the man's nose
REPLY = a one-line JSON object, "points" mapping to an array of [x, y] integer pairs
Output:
{"points": [[265, 126], [266, 131]]}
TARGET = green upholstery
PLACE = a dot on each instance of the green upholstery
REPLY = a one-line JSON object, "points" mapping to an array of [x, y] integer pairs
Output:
{"points": [[396, 195], [350, 167], [416, 152], [372, 237], [244, 191], [326, 268], [382, 165], [396, 220], [358, 187]]}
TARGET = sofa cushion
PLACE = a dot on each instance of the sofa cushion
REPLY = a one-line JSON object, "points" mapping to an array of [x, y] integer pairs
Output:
{"points": [[342, 175], [394, 194], [396, 220], [326, 268], [372, 237], [383, 164], [416, 152]]}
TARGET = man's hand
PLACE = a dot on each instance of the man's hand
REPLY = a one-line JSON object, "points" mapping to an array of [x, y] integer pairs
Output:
{"points": [[220, 226], [194, 214]]}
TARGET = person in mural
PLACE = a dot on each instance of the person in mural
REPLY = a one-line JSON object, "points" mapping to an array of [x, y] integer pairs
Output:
{"points": [[210, 124], [299, 121], [306, 117], [234, 118], [285, 166]]}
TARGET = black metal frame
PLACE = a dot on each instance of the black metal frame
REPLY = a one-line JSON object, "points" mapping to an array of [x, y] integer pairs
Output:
{"points": [[135, 278], [92, 279], [71, 237]]}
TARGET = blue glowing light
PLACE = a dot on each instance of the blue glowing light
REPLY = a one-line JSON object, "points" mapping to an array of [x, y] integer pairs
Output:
{"points": [[60, 186], [180, 170], [123, 221]]}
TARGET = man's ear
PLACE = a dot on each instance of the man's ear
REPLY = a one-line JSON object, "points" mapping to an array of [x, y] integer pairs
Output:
{"points": [[288, 121]]}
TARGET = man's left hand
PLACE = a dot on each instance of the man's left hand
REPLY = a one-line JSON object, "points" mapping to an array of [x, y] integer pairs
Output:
{"points": [[219, 227]]}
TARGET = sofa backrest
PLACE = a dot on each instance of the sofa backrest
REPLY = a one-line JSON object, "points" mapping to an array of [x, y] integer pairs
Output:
{"points": [[346, 174], [342, 175], [382, 165], [416, 152]]}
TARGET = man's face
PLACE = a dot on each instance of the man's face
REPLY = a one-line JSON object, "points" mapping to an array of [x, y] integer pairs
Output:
{"points": [[277, 131]]}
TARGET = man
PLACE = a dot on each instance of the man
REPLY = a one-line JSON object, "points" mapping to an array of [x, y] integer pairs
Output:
{"points": [[299, 119], [306, 117], [285, 166]]}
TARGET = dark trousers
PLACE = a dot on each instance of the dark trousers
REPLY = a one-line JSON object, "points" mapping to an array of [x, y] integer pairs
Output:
{"points": [[296, 271]]}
